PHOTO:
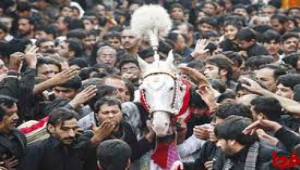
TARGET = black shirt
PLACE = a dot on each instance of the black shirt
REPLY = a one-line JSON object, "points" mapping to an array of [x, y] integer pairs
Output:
{"points": [[51, 154]]}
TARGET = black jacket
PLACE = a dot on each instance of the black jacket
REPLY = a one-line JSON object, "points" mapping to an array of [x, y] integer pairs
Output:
{"points": [[20, 87], [13, 144], [51, 154]]}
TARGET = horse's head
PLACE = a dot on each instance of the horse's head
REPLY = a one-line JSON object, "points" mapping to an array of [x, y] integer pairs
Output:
{"points": [[161, 93]]}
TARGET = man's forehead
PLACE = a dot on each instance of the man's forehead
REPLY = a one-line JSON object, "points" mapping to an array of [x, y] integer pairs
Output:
{"points": [[72, 123], [62, 88], [129, 33]]}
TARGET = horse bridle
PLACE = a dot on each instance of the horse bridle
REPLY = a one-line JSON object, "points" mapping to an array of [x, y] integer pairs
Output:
{"points": [[175, 99]]}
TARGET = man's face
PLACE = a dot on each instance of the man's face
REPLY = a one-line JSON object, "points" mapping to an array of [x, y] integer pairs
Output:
{"points": [[179, 44], [209, 8], [177, 14], [88, 24], [294, 12], [120, 85], [245, 45], [230, 32], [24, 27], [277, 26], [225, 146], [272, 47], [44, 72], [9, 121], [290, 45], [64, 92], [211, 71], [54, 68], [129, 40], [114, 42], [241, 11], [66, 131], [284, 91], [205, 27], [111, 113], [89, 42], [268, 11], [63, 50], [61, 26], [47, 47], [130, 71], [266, 77], [107, 56]]}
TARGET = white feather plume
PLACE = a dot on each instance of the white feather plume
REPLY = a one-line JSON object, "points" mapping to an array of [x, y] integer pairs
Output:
{"points": [[151, 22]]}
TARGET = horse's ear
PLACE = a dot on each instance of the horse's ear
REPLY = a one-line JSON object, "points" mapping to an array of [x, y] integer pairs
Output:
{"points": [[170, 58], [143, 64]]}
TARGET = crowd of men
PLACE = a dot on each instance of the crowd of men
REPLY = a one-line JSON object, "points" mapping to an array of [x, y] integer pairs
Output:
{"points": [[74, 64]]}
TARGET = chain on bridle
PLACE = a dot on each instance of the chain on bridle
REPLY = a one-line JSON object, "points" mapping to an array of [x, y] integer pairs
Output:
{"points": [[176, 101]]}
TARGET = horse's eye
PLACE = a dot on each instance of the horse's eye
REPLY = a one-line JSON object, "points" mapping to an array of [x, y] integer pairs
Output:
{"points": [[180, 88], [171, 88]]}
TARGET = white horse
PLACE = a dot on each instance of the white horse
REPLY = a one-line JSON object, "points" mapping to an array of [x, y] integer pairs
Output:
{"points": [[164, 94]]}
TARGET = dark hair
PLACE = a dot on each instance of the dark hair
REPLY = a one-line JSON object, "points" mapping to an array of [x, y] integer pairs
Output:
{"points": [[112, 34], [42, 40], [74, 83], [75, 45], [23, 6], [78, 33], [176, 5], [270, 35], [268, 106], [218, 85], [289, 35], [246, 34], [56, 103], [146, 53], [278, 70], [80, 62], [221, 62], [232, 129], [229, 109], [6, 101], [18, 45], [113, 154], [289, 80], [292, 59], [236, 23], [85, 72], [60, 115], [126, 60], [281, 18], [108, 101], [3, 27], [208, 20], [226, 95], [234, 57], [256, 62], [102, 92], [197, 64], [296, 95]]}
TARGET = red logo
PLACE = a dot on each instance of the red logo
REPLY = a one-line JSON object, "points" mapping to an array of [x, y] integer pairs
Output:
{"points": [[283, 162]]}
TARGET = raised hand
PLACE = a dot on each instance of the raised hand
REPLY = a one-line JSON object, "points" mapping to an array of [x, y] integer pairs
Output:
{"points": [[194, 74], [84, 96], [105, 130], [30, 57], [15, 60], [200, 48], [262, 124], [254, 87], [64, 76], [202, 132]]}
